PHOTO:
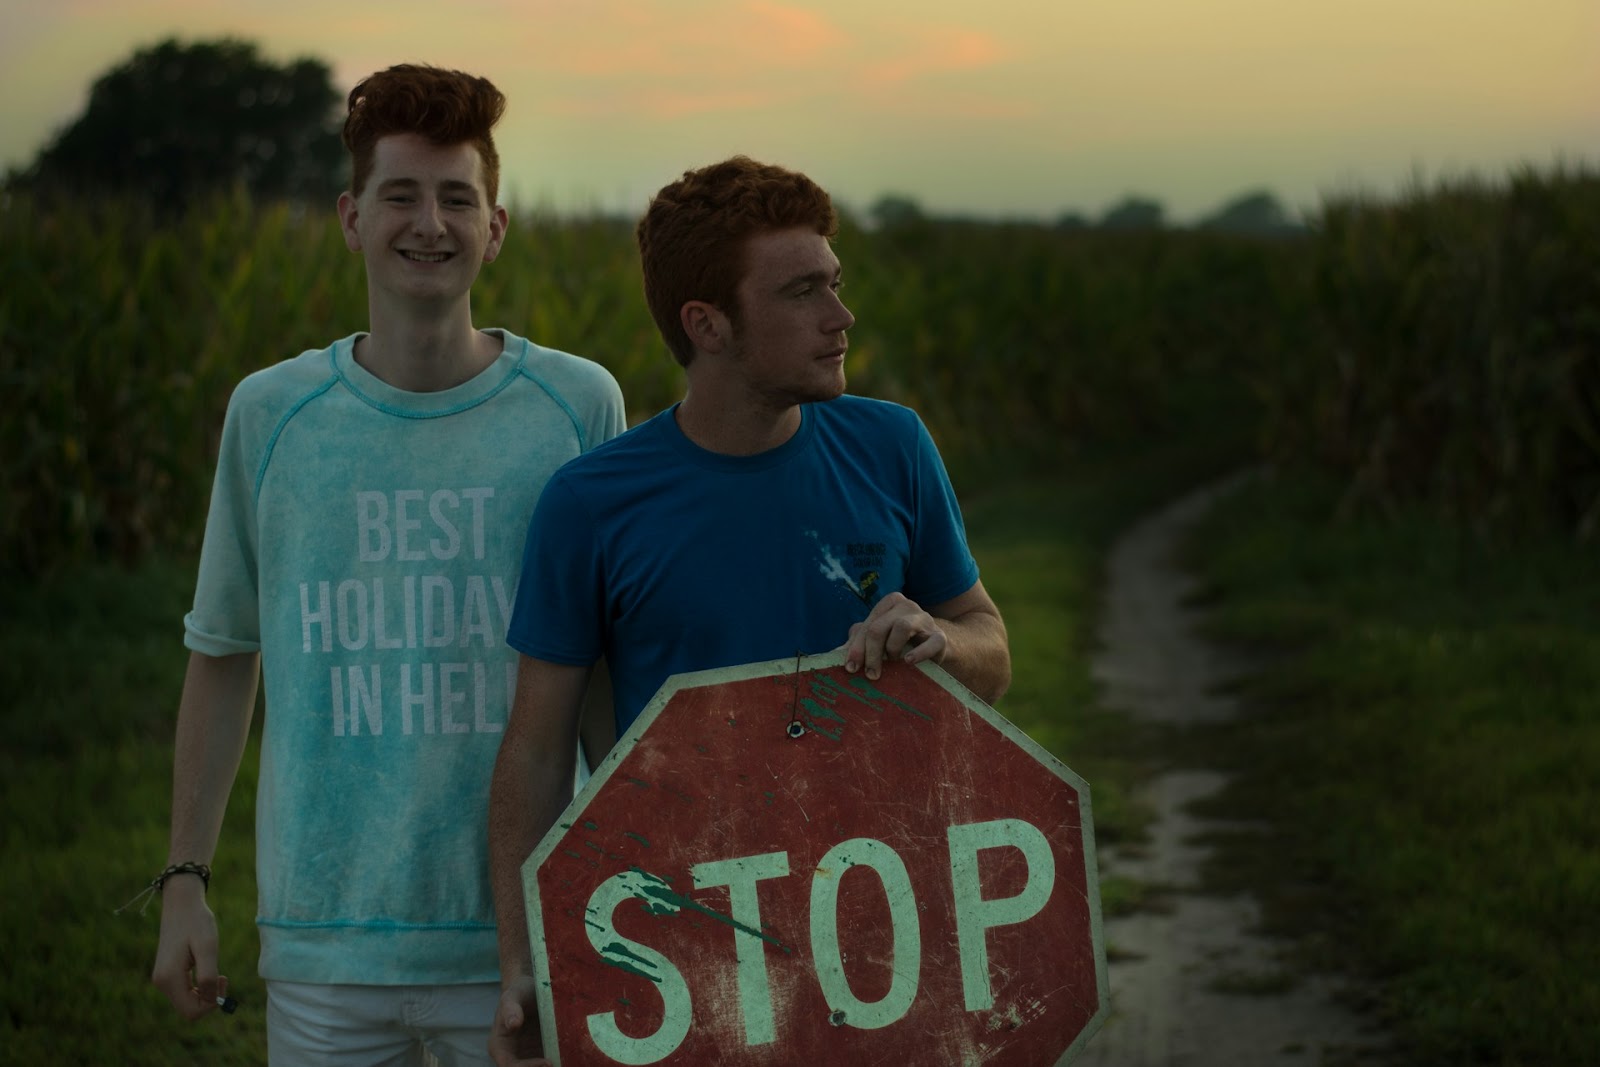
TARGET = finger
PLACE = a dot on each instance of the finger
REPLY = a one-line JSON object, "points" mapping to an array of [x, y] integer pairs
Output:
{"points": [[201, 1004], [208, 984], [200, 998], [872, 648], [890, 604], [887, 630], [173, 979], [510, 1014], [931, 647], [902, 635], [853, 648], [193, 1004]]}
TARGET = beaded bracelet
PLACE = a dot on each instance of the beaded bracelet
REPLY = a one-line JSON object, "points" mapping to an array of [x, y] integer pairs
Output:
{"points": [[152, 890], [182, 868]]}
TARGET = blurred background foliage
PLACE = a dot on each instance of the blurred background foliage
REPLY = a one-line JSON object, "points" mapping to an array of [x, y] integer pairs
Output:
{"points": [[1443, 347]]}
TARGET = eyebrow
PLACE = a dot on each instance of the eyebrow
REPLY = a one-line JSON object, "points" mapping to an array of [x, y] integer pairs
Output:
{"points": [[449, 185], [815, 277]]}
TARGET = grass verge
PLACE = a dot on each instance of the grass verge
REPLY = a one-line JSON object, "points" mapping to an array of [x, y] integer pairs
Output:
{"points": [[1425, 744], [88, 698]]}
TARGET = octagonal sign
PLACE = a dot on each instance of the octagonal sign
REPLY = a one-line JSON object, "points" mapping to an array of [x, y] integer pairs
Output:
{"points": [[785, 863]]}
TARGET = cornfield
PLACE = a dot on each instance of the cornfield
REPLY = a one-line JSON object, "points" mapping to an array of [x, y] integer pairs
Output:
{"points": [[1457, 354], [1445, 347]]}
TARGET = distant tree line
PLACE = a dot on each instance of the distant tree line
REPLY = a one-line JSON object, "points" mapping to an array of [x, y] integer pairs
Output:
{"points": [[176, 122], [1255, 212]]}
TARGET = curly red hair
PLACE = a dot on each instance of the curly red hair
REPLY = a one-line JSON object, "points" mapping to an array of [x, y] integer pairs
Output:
{"points": [[693, 235]]}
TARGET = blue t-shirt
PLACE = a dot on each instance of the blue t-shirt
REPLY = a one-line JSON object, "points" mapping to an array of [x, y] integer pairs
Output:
{"points": [[665, 558]]}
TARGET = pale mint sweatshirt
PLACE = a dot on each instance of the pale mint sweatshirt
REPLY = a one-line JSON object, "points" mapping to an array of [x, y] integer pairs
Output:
{"points": [[368, 542]]}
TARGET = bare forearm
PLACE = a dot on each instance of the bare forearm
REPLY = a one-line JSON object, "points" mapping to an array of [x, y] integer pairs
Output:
{"points": [[978, 654], [531, 786], [526, 795], [219, 694]]}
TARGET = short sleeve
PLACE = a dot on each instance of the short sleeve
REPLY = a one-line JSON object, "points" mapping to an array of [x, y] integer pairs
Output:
{"points": [[226, 617], [558, 611]]}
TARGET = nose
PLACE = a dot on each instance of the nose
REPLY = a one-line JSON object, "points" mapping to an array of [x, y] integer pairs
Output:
{"points": [[428, 222], [843, 319]]}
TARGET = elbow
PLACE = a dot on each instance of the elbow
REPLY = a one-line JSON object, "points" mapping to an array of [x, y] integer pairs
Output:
{"points": [[1000, 674], [1000, 682], [990, 662]]}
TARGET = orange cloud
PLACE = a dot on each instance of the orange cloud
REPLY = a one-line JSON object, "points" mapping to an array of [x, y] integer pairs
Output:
{"points": [[803, 33], [734, 40], [662, 104], [939, 50], [709, 57]]}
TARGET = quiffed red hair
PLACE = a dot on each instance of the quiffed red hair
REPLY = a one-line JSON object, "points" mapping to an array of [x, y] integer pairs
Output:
{"points": [[445, 106], [692, 237]]}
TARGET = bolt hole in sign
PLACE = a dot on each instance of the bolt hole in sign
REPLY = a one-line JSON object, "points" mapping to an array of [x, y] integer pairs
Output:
{"points": [[783, 863]]}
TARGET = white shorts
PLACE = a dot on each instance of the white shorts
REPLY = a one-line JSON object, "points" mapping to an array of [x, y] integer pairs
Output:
{"points": [[379, 1026]]}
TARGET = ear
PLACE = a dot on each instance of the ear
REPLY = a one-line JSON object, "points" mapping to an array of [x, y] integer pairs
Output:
{"points": [[499, 222], [708, 328], [347, 221]]}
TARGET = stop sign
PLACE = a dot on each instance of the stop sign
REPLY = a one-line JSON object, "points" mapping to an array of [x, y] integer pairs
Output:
{"points": [[786, 863]]}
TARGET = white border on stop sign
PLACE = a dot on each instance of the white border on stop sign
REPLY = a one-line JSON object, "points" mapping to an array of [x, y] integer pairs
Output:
{"points": [[774, 668]]}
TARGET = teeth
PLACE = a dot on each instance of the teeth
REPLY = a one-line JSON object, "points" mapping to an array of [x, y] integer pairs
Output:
{"points": [[426, 257]]}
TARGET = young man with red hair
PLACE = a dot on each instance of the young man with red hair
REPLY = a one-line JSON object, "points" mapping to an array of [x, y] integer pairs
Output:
{"points": [[766, 513], [360, 555]]}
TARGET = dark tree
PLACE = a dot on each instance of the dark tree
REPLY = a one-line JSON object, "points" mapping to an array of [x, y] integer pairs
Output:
{"points": [[896, 210], [178, 121], [1255, 212], [1134, 213]]}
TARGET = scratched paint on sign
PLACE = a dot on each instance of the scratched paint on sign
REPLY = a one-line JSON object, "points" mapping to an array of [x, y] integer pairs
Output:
{"points": [[656, 897], [896, 879]]}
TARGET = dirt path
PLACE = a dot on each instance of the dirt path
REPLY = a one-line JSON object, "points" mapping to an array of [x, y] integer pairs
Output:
{"points": [[1192, 983]]}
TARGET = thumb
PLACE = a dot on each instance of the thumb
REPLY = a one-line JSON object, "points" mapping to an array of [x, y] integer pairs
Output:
{"points": [[207, 991], [207, 982]]}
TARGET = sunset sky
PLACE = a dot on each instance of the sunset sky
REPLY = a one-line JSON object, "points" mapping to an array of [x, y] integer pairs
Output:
{"points": [[985, 107]]}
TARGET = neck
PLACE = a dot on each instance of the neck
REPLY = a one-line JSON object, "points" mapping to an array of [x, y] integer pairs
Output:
{"points": [[733, 428], [425, 353]]}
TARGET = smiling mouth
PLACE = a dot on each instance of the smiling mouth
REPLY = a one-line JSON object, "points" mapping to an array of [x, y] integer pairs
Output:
{"points": [[426, 257]]}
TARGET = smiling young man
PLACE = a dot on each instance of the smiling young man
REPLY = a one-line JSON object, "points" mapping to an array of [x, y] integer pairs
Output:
{"points": [[765, 514], [360, 556]]}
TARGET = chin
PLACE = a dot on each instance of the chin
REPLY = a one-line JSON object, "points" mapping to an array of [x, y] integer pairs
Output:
{"points": [[825, 392]]}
